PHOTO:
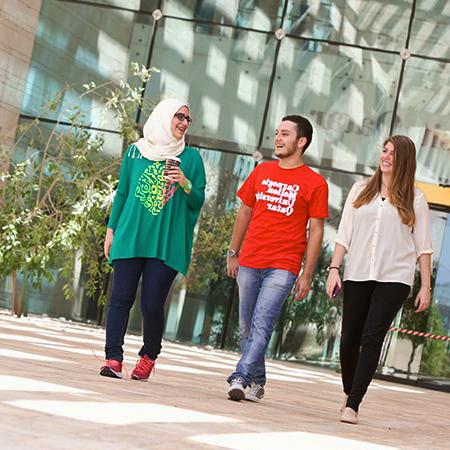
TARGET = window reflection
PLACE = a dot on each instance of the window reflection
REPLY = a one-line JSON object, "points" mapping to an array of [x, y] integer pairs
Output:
{"points": [[377, 24], [310, 330], [256, 14], [223, 74], [348, 94], [431, 28], [404, 355], [423, 115], [77, 44], [203, 307], [137, 5], [435, 362], [32, 138]]}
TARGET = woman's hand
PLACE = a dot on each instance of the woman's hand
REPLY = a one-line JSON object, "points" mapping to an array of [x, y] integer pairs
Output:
{"points": [[423, 299], [108, 241], [176, 175], [333, 280]]}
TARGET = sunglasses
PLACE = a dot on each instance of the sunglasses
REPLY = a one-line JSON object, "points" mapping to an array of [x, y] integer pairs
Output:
{"points": [[181, 117]]}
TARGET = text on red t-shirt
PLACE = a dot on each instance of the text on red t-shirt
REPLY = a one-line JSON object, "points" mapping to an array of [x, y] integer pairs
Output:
{"points": [[282, 200]]}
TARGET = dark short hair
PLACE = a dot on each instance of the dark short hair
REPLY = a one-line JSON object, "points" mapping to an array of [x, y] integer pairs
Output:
{"points": [[304, 128]]}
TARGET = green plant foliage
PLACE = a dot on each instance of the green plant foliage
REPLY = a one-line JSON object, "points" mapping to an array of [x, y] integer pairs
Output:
{"points": [[209, 253], [315, 309], [411, 320], [56, 197], [436, 355]]}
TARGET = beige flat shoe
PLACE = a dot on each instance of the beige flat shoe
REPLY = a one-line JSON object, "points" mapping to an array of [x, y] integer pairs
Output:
{"points": [[349, 416]]}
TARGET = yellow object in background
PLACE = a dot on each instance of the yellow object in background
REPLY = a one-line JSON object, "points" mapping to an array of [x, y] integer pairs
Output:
{"points": [[435, 194]]}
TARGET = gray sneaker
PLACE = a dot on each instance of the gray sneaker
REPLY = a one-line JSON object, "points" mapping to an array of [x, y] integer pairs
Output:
{"points": [[255, 394], [236, 390]]}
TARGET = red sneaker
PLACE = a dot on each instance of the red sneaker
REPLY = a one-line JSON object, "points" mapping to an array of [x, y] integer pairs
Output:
{"points": [[112, 368], [143, 369]]}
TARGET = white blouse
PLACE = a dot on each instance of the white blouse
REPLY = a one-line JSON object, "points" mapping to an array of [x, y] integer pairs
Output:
{"points": [[379, 246]]}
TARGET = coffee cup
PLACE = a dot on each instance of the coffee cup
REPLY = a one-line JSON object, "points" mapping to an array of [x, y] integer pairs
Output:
{"points": [[171, 162]]}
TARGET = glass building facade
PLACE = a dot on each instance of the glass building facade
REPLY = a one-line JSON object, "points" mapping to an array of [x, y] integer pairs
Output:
{"points": [[359, 70]]}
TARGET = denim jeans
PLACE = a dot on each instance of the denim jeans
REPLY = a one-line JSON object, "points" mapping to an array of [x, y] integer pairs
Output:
{"points": [[157, 278], [262, 293]]}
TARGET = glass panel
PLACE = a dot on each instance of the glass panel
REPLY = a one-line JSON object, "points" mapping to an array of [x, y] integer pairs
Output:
{"points": [[50, 299], [77, 44], [309, 330], [378, 23], [347, 93], [202, 304], [224, 75], [256, 14], [113, 142], [424, 114], [137, 5], [435, 364], [431, 28], [402, 353]]}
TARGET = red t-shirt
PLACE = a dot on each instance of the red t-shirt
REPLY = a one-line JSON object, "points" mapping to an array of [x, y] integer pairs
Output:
{"points": [[282, 200]]}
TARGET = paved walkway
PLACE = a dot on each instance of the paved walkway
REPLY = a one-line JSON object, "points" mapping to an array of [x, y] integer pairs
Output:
{"points": [[51, 397]]}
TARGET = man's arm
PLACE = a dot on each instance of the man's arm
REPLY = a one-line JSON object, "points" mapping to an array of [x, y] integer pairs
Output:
{"points": [[241, 224], [303, 283]]}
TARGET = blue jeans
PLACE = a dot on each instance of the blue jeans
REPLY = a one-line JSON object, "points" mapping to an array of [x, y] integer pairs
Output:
{"points": [[157, 278], [262, 293]]}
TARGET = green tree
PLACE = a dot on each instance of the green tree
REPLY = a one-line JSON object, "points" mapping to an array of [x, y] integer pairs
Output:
{"points": [[416, 321], [312, 310], [211, 245], [58, 187], [206, 275], [435, 355]]}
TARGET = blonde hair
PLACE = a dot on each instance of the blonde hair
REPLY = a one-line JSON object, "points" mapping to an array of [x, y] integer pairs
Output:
{"points": [[401, 189]]}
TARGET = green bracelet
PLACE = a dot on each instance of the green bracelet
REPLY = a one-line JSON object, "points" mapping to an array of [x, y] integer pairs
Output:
{"points": [[188, 186]]}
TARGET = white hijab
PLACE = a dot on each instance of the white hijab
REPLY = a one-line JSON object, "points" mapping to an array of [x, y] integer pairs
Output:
{"points": [[158, 142]]}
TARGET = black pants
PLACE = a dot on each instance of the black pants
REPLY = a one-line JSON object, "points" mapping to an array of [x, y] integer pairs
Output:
{"points": [[369, 309], [156, 281]]}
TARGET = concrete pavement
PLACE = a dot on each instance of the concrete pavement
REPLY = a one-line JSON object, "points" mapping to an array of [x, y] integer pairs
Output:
{"points": [[51, 397]]}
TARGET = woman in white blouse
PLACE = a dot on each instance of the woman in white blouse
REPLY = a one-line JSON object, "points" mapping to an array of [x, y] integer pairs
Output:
{"points": [[384, 230]]}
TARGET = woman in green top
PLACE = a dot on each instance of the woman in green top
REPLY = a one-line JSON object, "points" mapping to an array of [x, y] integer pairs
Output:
{"points": [[150, 230]]}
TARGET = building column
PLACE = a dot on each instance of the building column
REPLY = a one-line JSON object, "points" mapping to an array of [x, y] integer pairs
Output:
{"points": [[18, 22]]}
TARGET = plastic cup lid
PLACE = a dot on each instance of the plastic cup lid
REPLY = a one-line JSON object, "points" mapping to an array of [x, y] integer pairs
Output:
{"points": [[173, 158]]}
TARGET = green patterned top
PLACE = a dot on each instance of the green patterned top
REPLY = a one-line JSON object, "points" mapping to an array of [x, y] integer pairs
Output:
{"points": [[153, 218]]}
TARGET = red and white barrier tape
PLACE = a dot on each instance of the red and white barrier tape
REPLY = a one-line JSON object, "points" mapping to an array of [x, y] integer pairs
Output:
{"points": [[421, 334]]}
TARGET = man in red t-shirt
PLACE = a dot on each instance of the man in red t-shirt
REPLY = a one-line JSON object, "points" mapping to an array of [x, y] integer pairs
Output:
{"points": [[279, 199]]}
